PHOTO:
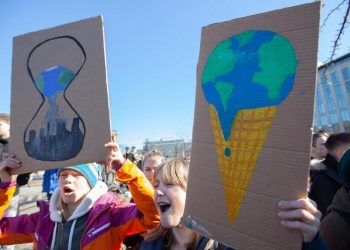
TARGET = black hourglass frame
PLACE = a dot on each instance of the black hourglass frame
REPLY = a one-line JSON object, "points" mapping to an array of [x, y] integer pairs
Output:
{"points": [[65, 89]]}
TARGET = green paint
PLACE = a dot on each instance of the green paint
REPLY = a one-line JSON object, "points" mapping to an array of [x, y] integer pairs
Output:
{"points": [[277, 61], [245, 37], [225, 90], [39, 82], [221, 61], [65, 77]]}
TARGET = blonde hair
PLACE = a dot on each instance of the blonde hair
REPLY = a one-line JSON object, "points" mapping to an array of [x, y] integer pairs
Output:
{"points": [[172, 172]]}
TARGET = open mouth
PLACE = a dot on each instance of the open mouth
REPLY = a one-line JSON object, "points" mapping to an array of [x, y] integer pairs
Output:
{"points": [[67, 191], [163, 206]]}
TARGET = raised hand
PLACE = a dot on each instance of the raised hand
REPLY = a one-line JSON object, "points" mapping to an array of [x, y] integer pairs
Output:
{"points": [[8, 162], [302, 215]]}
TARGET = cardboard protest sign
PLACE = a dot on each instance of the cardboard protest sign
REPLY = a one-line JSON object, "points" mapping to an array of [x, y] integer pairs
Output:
{"points": [[59, 102], [251, 138]]}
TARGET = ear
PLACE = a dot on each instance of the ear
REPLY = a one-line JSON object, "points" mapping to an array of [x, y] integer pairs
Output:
{"points": [[338, 153]]}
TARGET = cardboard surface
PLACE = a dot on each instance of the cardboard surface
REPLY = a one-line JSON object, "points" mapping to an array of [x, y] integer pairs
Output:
{"points": [[254, 106], [59, 102]]}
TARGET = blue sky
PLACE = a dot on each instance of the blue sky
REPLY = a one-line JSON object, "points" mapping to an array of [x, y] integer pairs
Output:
{"points": [[152, 49]]}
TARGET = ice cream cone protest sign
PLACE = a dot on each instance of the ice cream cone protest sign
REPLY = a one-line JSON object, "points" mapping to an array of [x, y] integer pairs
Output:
{"points": [[59, 102], [253, 114]]}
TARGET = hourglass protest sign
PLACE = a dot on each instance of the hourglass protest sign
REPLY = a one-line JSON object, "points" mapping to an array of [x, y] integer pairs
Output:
{"points": [[251, 137], [59, 103]]}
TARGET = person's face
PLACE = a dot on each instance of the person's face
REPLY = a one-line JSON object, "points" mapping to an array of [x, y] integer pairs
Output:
{"points": [[150, 166], [73, 186], [170, 200], [4, 129], [320, 151]]}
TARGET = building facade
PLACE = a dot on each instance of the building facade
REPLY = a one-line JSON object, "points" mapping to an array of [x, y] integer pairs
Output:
{"points": [[332, 97], [176, 148]]}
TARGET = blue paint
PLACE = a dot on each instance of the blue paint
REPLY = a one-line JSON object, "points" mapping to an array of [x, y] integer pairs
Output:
{"points": [[246, 94], [227, 152], [52, 85], [55, 141]]}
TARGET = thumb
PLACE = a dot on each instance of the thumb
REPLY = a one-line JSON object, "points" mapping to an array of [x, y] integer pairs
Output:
{"points": [[114, 138]]}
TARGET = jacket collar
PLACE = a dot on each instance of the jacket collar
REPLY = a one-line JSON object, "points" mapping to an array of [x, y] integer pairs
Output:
{"points": [[331, 162], [84, 207]]}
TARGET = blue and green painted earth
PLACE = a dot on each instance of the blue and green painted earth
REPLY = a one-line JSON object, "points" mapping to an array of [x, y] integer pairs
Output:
{"points": [[54, 80], [253, 69], [54, 140]]}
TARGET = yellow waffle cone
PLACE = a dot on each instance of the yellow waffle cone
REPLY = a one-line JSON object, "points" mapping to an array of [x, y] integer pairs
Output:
{"points": [[248, 134]]}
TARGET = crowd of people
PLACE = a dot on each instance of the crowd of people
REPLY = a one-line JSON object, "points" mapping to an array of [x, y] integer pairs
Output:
{"points": [[330, 186], [82, 212]]}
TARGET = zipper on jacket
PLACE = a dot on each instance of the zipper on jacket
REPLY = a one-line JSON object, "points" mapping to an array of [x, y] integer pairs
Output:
{"points": [[93, 219], [91, 234], [90, 222], [60, 228]]}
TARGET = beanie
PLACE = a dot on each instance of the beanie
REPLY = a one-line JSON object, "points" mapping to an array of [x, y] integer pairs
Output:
{"points": [[91, 171], [344, 168]]}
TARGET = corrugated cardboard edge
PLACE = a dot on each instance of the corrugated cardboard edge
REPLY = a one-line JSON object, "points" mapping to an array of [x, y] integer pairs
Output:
{"points": [[98, 119], [204, 199]]}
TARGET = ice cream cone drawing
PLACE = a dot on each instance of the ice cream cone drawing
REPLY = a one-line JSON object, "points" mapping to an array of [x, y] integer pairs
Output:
{"points": [[244, 80]]}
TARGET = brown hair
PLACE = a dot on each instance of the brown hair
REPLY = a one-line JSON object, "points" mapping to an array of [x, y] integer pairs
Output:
{"points": [[157, 154], [5, 118], [317, 135], [337, 139]]}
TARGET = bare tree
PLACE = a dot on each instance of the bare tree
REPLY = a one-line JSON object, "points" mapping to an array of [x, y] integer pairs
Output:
{"points": [[342, 25]]}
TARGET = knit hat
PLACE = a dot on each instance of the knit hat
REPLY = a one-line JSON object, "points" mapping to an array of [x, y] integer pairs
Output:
{"points": [[344, 168], [91, 171]]}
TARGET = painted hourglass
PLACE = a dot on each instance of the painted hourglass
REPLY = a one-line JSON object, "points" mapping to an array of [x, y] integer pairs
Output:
{"points": [[56, 132]]}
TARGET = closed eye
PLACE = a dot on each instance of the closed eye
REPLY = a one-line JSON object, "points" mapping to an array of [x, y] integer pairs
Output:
{"points": [[156, 184]]}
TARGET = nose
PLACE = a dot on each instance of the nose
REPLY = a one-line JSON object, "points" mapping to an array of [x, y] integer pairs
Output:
{"points": [[68, 178], [158, 192]]}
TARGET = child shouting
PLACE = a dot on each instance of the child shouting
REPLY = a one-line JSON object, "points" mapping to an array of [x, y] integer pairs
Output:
{"points": [[81, 213]]}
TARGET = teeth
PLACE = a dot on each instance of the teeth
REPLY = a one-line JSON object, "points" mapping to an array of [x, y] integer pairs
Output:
{"points": [[162, 203]]}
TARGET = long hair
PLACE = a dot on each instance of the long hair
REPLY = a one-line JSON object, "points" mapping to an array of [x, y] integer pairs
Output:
{"points": [[172, 172]]}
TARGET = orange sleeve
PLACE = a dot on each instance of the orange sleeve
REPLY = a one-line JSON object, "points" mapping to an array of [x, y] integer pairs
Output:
{"points": [[142, 192], [6, 193]]}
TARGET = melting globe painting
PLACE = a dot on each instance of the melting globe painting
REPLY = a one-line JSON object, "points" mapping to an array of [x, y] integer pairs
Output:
{"points": [[59, 96], [62, 131], [244, 80]]}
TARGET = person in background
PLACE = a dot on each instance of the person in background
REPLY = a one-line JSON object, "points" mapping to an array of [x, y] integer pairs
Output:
{"points": [[326, 182], [318, 153], [151, 162], [4, 140], [22, 179], [129, 155], [81, 213], [318, 148], [50, 182], [170, 195], [335, 227]]}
